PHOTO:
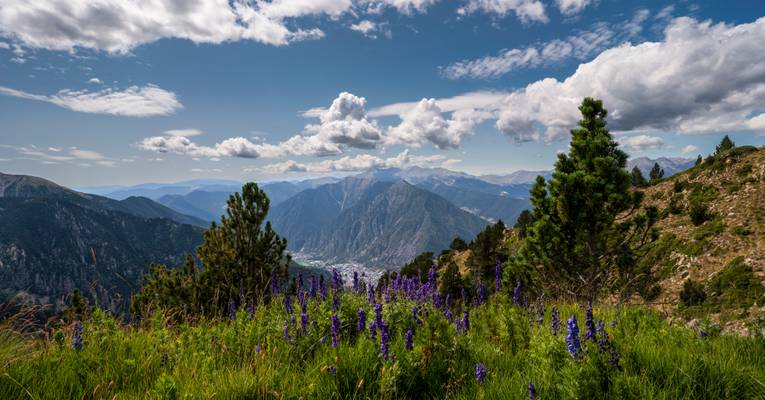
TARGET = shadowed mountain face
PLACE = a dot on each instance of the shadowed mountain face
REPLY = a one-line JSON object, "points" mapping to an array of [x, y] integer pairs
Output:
{"points": [[371, 222], [53, 239]]}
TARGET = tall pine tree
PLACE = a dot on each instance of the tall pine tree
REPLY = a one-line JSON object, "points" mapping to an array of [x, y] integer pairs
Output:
{"points": [[587, 225]]}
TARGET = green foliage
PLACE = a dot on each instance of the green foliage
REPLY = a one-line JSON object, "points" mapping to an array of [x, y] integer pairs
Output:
{"points": [[638, 180], [699, 212], [710, 228], [679, 185], [451, 280], [486, 249], [675, 205], [744, 170], [77, 308], [577, 241], [458, 244], [238, 258], [742, 231], [692, 294], [736, 286], [525, 219], [419, 266], [725, 145], [656, 174]]}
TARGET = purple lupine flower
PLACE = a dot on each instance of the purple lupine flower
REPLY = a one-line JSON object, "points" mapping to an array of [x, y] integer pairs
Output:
{"points": [[532, 391], [322, 288], [231, 310], [517, 293], [303, 321], [384, 338], [448, 315], [355, 281], [335, 300], [286, 335], [333, 370], [378, 315], [498, 277], [481, 294], [274, 282], [77, 339], [466, 321], [257, 349], [540, 313], [250, 310], [361, 324], [416, 315], [432, 284], [555, 318], [337, 281], [437, 303], [312, 287], [589, 323], [373, 330], [572, 339], [614, 357], [370, 294], [480, 373], [602, 330], [409, 339], [288, 304], [335, 330]]}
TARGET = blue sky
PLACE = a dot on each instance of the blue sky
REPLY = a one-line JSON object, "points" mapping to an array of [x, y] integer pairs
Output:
{"points": [[110, 93]]}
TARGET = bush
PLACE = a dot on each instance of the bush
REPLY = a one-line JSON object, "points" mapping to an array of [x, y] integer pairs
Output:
{"points": [[709, 228], [736, 286], [699, 213], [679, 185], [742, 231], [692, 294], [675, 205]]}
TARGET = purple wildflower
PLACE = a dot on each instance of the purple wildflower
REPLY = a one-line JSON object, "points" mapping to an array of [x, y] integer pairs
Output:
{"points": [[370, 294], [288, 304], [77, 339], [540, 313], [373, 330], [532, 391], [231, 310], [602, 330], [480, 373], [498, 277], [432, 284], [335, 330], [517, 293], [572, 339], [312, 287], [333, 370], [361, 324], [555, 317], [589, 323], [466, 321], [415, 315], [303, 321], [335, 300], [409, 339], [257, 349], [384, 338], [448, 315], [481, 294], [337, 281], [355, 281], [322, 288], [378, 315]]}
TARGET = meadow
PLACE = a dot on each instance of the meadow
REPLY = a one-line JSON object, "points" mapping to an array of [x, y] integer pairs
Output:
{"points": [[401, 341]]}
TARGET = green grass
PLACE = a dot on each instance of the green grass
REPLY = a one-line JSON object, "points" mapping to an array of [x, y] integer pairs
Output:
{"points": [[218, 359]]}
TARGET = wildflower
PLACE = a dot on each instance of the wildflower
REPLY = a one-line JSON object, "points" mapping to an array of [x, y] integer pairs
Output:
{"points": [[77, 339], [498, 277], [614, 358], [555, 318], [303, 321], [286, 331], [589, 323], [257, 349], [480, 373], [335, 330], [532, 391], [250, 310], [378, 315], [373, 330], [409, 339], [370, 293], [572, 339], [288, 304], [333, 370], [540, 313], [448, 315], [361, 324], [517, 293], [466, 320], [231, 310], [432, 284], [415, 315], [602, 330], [337, 281], [312, 287], [481, 294], [384, 338], [355, 281]]}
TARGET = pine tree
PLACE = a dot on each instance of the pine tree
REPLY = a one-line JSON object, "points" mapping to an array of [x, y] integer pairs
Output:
{"points": [[725, 145], [657, 172], [588, 228], [524, 220], [699, 160], [638, 180]]}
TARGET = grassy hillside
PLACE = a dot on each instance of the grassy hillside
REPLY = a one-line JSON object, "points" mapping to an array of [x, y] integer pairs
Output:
{"points": [[713, 234], [636, 356]]}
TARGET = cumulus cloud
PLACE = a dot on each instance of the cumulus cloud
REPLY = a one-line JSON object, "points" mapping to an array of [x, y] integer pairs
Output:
{"points": [[345, 123], [641, 143], [353, 163], [134, 101], [425, 123], [407, 7], [525, 10], [571, 7], [95, 81], [690, 149], [659, 86], [581, 46]]}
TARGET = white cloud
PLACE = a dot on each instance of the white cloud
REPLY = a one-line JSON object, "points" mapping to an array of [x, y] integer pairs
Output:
{"points": [[641, 143], [690, 149], [571, 7], [4, 46], [407, 7], [54, 155], [95, 81], [425, 123], [183, 132], [118, 26], [658, 86], [134, 101], [582, 46], [345, 123], [354, 163], [365, 27], [525, 10]]}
